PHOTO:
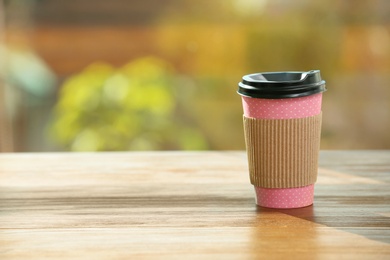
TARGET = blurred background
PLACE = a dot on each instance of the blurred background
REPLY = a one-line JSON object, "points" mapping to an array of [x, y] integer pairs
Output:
{"points": [[98, 75]]}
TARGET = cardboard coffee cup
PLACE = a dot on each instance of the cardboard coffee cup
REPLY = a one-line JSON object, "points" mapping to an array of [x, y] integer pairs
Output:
{"points": [[282, 125]]}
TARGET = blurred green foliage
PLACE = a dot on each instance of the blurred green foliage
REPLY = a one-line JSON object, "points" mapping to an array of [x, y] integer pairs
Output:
{"points": [[210, 44], [131, 108]]}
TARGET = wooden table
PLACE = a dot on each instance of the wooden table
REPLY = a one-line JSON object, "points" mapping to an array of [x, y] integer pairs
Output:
{"points": [[186, 205]]}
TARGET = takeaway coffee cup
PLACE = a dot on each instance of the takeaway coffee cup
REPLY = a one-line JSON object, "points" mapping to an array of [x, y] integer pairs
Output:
{"points": [[282, 125]]}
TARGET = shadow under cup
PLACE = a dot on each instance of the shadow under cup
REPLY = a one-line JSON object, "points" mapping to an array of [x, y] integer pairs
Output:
{"points": [[281, 107]]}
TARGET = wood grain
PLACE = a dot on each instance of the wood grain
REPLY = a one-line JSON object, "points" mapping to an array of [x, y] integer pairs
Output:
{"points": [[186, 205]]}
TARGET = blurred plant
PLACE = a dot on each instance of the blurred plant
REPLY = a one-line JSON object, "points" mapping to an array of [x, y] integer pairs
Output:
{"points": [[130, 108]]}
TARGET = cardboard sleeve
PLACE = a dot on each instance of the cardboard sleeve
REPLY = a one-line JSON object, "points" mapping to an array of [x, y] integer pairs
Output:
{"points": [[283, 153]]}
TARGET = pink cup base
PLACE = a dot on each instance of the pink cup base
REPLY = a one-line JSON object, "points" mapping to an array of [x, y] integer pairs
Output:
{"points": [[286, 198]]}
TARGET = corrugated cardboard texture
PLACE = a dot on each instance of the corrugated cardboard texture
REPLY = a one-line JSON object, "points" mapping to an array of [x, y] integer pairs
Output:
{"points": [[283, 153]]}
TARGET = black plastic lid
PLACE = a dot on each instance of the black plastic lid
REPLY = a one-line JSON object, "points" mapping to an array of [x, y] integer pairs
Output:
{"points": [[287, 84]]}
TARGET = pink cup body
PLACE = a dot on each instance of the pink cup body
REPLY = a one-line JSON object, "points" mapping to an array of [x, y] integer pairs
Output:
{"points": [[285, 108]]}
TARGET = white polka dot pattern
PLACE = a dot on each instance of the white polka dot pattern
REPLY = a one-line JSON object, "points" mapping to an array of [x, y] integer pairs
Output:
{"points": [[283, 109], [285, 198]]}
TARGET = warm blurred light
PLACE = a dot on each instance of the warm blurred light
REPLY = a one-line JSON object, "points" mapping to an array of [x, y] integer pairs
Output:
{"points": [[186, 99], [246, 7], [379, 40]]}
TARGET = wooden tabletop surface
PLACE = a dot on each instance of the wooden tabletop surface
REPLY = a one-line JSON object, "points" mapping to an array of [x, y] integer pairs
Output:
{"points": [[186, 205]]}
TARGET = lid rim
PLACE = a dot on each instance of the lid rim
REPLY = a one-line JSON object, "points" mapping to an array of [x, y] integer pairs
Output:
{"points": [[282, 88], [282, 96], [310, 83]]}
